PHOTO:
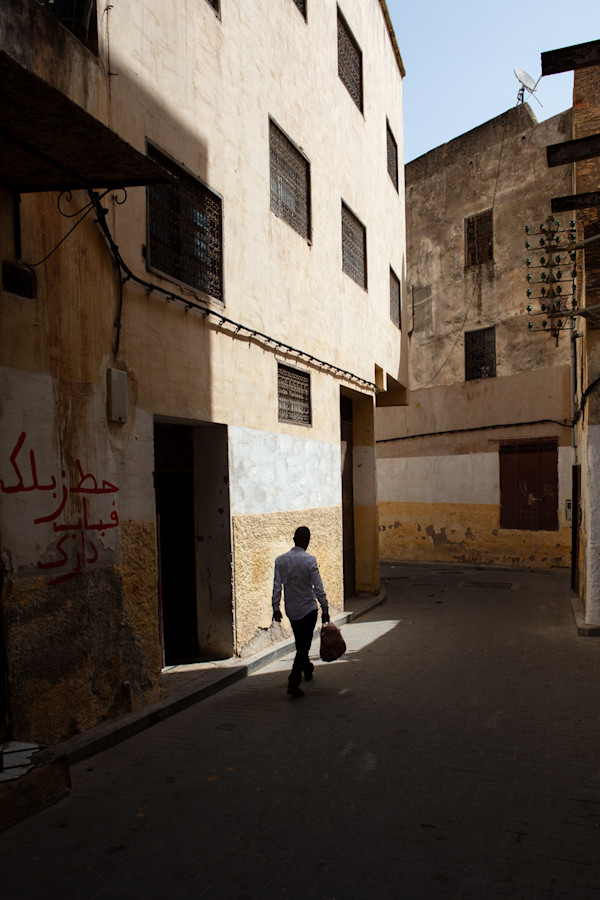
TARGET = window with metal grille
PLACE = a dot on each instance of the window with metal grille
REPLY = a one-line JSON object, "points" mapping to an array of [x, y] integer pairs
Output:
{"points": [[395, 299], [185, 230], [529, 485], [349, 61], [293, 392], [480, 354], [301, 4], [479, 238], [392, 156], [354, 247], [290, 182]]}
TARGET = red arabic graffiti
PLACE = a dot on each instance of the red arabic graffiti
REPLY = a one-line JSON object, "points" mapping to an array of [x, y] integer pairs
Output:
{"points": [[75, 546]]}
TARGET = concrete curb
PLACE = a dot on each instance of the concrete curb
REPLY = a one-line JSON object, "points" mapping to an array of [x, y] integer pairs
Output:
{"points": [[49, 780], [44, 784], [209, 682], [583, 629]]}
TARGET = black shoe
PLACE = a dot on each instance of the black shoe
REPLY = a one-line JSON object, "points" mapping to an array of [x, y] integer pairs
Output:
{"points": [[295, 692], [308, 676]]}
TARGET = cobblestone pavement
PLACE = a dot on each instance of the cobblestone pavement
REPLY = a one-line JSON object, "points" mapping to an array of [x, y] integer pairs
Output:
{"points": [[454, 752]]}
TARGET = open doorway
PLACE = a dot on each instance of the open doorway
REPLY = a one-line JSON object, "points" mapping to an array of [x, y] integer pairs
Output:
{"points": [[4, 705], [174, 485], [349, 559], [194, 542]]}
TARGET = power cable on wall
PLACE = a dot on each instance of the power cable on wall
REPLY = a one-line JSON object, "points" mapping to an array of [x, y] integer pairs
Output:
{"points": [[412, 437], [126, 274]]}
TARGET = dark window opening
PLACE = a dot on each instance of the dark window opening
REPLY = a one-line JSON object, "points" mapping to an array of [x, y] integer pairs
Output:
{"points": [[349, 61], [392, 156], [395, 300], [216, 5], [301, 4], [79, 16], [354, 247], [529, 485], [18, 279], [293, 392], [479, 238], [480, 354], [185, 230], [290, 182]]}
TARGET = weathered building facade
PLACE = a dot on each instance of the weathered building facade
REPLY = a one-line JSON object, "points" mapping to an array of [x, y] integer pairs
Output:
{"points": [[586, 180], [202, 236], [478, 467]]}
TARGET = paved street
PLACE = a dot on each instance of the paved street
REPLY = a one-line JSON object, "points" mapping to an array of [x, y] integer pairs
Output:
{"points": [[454, 752]]}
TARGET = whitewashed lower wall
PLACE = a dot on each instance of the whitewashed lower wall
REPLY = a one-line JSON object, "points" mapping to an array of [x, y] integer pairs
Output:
{"points": [[279, 473], [468, 478]]}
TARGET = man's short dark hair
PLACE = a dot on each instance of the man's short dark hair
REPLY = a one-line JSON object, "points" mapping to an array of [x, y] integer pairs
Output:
{"points": [[302, 536]]}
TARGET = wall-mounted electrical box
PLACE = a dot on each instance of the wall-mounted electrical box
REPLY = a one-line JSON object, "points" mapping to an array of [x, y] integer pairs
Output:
{"points": [[116, 395]]}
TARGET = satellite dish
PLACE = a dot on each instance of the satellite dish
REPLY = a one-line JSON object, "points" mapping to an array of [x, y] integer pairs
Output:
{"points": [[527, 84]]}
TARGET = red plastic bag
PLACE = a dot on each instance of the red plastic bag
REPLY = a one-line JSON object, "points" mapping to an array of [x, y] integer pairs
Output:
{"points": [[332, 642]]}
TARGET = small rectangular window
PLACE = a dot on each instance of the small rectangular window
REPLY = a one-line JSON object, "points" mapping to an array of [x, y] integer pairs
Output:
{"points": [[301, 4], [395, 300], [185, 230], [290, 182], [480, 354], [479, 238], [349, 61], [293, 392], [392, 156], [354, 247]]}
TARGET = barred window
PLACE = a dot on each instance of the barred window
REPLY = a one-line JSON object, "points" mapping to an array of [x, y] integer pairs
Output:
{"points": [[392, 156], [290, 182], [293, 392], [479, 238], [395, 300], [185, 230], [349, 61], [480, 354], [301, 4], [354, 247]]}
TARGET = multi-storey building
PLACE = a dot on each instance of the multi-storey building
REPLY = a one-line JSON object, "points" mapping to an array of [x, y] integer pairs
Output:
{"points": [[202, 264], [478, 467]]}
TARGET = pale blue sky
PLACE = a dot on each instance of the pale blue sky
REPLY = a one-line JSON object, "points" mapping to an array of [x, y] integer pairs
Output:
{"points": [[459, 59]]}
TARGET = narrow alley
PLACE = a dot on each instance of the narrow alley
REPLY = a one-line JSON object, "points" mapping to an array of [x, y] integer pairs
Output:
{"points": [[453, 752]]}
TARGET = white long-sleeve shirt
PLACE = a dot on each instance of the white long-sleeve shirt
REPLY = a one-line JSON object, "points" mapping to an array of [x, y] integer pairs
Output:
{"points": [[297, 572]]}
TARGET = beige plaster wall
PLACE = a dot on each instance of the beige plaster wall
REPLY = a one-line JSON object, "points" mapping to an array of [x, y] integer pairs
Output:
{"points": [[218, 128], [258, 540]]}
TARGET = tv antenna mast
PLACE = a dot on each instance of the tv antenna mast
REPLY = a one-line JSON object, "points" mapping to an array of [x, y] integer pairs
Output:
{"points": [[527, 84]]}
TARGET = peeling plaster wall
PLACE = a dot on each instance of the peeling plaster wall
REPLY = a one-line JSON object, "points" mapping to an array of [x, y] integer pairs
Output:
{"points": [[448, 508]]}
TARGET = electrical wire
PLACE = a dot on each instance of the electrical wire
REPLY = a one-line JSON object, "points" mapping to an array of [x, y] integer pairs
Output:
{"points": [[126, 274], [411, 437], [86, 210]]}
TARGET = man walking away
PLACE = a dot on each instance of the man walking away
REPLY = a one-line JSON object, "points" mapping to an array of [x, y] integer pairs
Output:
{"points": [[297, 572]]}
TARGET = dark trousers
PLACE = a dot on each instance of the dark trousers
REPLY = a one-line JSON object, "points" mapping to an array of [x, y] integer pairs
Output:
{"points": [[303, 632]]}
